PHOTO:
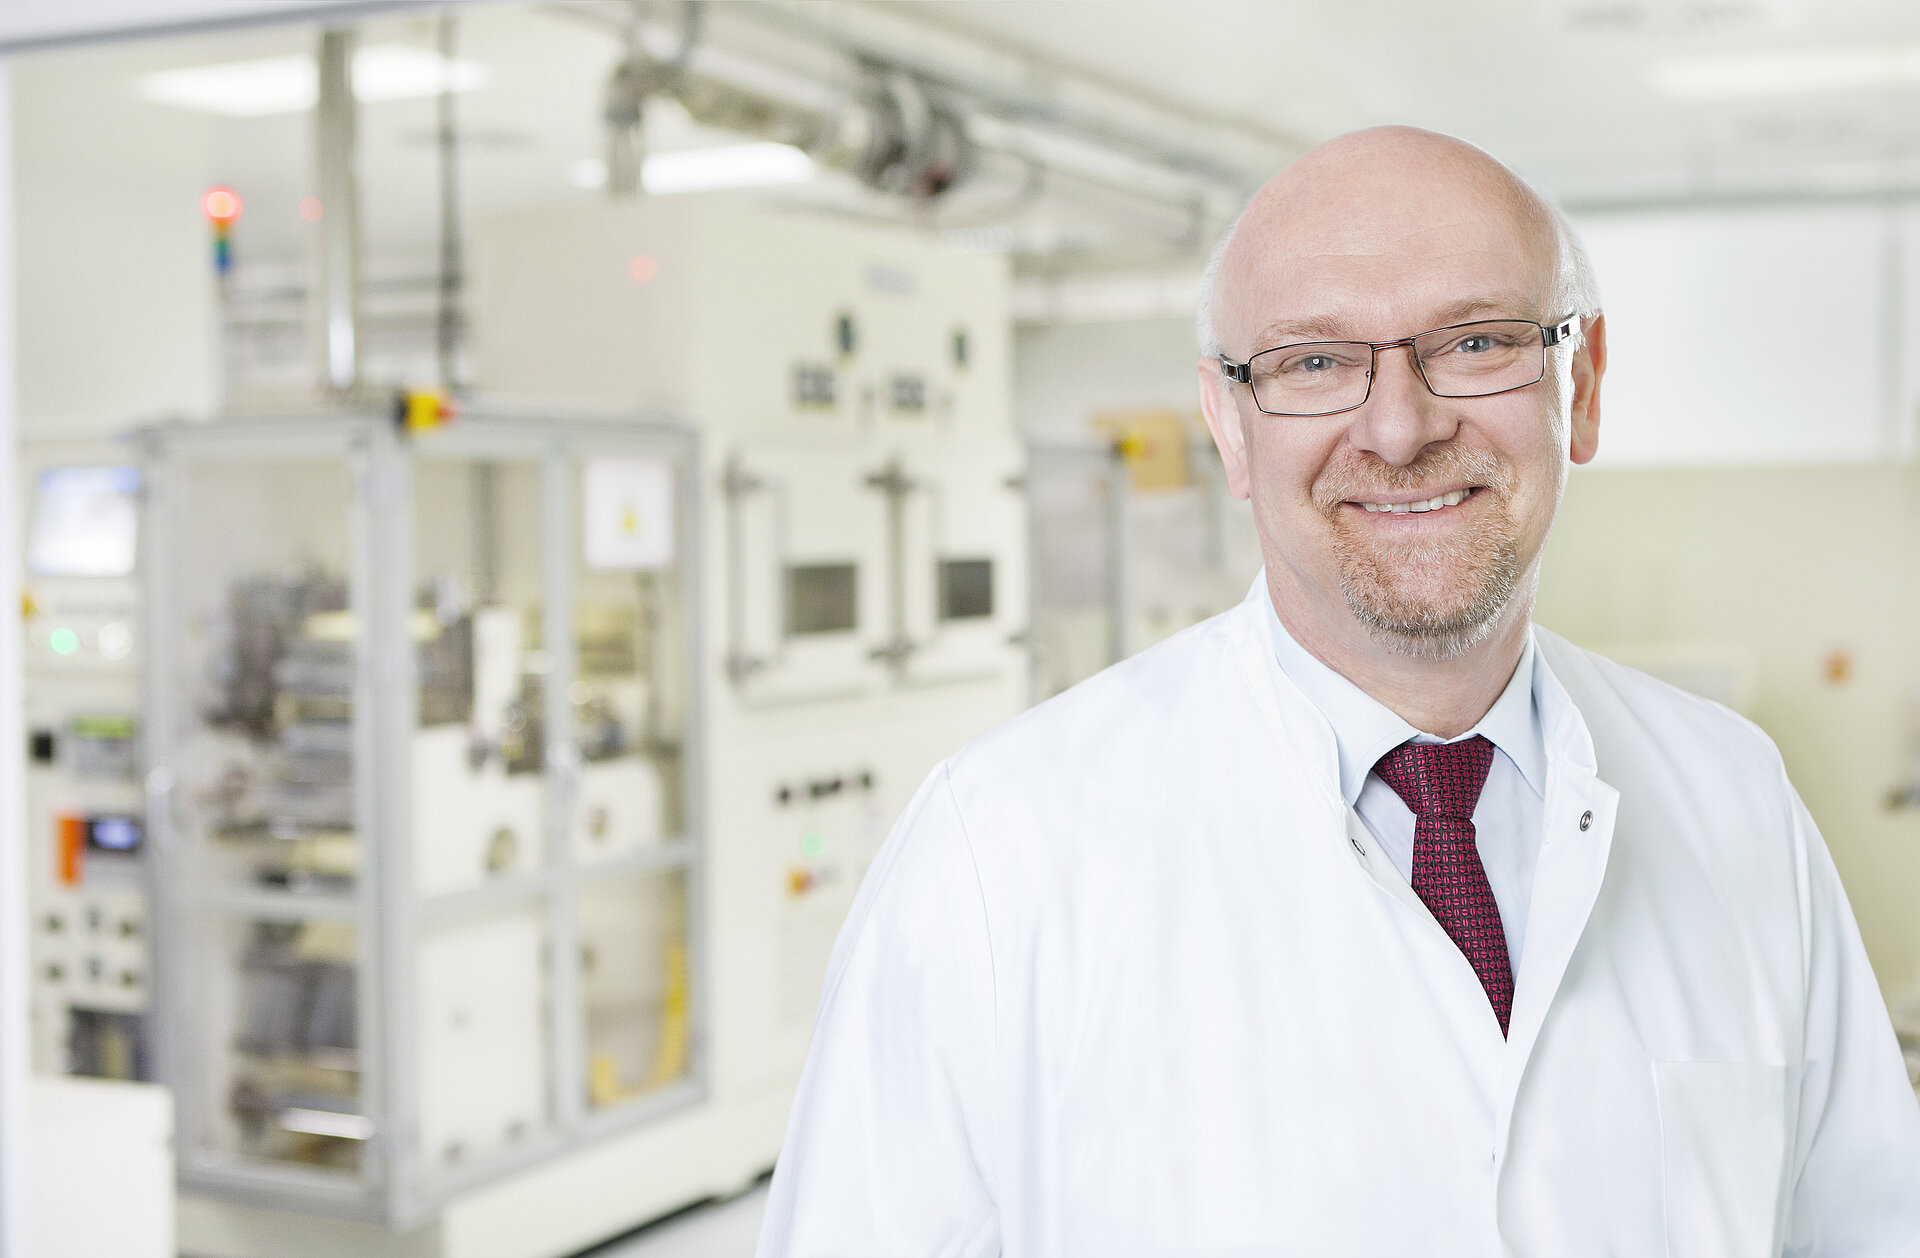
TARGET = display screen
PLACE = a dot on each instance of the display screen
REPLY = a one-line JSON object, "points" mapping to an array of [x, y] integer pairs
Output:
{"points": [[820, 598], [85, 522], [113, 834], [966, 589]]}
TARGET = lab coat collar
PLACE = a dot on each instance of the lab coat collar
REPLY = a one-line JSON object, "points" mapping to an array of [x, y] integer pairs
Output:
{"points": [[1566, 742], [1366, 729], [1579, 815]]}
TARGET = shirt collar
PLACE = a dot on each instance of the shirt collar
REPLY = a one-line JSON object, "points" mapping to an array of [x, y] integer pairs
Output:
{"points": [[1364, 729]]}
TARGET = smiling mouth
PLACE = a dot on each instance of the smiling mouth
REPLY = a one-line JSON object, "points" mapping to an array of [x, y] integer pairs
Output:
{"points": [[1453, 498]]}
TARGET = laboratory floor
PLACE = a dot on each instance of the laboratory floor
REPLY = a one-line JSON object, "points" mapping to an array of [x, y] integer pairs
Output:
{"points": [[725, 1229]]}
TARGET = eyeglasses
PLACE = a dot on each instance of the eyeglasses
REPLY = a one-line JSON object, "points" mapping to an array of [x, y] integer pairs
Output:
{"points": [[1465, 360]]}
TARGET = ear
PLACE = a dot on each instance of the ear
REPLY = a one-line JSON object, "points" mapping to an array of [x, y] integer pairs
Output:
{"points": [[1589, 364], [1222, 414]]}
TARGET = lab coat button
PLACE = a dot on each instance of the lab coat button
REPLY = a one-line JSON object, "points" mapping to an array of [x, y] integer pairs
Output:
{"points": [[1586, 821], [1356, 845]]}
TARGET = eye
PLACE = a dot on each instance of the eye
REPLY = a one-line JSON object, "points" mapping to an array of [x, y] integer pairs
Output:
{"points": [[1479, 343], [1317, 361]]}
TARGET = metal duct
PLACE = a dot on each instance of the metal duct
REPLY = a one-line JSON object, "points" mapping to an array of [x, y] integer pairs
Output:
{"points": [[915, 145], [895, 136], [635, 78]]}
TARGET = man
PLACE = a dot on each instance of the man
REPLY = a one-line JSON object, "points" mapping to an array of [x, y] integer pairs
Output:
{"points": [[1365, 918]]}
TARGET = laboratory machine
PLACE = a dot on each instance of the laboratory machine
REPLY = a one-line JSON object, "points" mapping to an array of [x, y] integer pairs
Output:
{"points": [[495, 939], [87, 890], [90, 1111], [1134, 537], [420, 782]]}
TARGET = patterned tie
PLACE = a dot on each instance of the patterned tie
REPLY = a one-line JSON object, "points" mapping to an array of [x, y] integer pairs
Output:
{"points": [[1440, 783]]}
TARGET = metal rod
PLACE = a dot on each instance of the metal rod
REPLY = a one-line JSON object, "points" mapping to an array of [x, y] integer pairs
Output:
{"points": [[390, 934], [338, 268], [15, 984], [452, 276], [567, 1029], [486, 514], [1118, 596]]}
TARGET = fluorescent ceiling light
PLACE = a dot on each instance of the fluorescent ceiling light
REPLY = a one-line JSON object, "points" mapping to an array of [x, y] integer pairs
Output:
{"points": [[285, 85], [729, 166], [1789, 73], [240, 89]]}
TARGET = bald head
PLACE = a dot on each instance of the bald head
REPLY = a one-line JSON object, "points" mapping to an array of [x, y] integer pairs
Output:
{"points": [[1359, 210]]}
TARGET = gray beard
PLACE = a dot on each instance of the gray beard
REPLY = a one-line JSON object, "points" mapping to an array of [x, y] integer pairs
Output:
{"points": [[1419, 634], [1486, 566], [1416, 628]]}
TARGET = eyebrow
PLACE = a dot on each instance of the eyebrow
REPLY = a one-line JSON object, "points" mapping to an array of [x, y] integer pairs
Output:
{"points": [[1294, 329]]}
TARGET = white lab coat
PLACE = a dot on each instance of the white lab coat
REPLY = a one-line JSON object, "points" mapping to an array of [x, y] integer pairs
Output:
{"points": [[1128, 979]]}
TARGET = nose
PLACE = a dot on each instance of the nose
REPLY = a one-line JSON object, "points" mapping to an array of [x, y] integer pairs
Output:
{"points": [[1401, 416]]}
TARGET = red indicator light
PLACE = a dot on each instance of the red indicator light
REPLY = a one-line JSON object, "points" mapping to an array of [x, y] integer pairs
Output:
{"points": [[642, 269], [311, 209], [222, 205]]}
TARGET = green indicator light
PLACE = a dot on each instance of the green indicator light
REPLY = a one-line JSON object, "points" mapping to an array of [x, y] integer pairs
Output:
{"points": [[813, 843], [63, 641]]}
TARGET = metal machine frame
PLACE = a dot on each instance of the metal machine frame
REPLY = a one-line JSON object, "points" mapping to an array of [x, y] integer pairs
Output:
{"points": [[393, 1185], [1109, 464]]}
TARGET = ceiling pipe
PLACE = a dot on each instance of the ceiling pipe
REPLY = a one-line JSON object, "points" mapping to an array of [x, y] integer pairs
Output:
{"points": [[1037, 90], [1169, 161], [638, 76]]}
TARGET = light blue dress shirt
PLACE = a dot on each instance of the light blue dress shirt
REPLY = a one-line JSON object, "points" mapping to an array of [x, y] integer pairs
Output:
{"points": [[1507, 822]]}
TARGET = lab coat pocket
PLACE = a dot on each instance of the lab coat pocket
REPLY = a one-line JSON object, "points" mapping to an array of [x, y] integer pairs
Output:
{"points": [[1723, 1141]]}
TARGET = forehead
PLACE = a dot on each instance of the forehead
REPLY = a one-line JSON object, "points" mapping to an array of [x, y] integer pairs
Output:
{"points": [[1385, 262]]}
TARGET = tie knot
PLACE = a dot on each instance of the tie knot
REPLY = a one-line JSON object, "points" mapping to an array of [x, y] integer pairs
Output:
{"points": [[1438, 779]]}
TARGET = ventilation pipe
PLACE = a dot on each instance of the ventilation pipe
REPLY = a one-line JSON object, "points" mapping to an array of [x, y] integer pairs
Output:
{"points": [[337, 248], [894, 135], [638, 76]]}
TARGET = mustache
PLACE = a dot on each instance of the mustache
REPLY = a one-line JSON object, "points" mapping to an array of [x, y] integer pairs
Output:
{"points": [[1358, 476]]}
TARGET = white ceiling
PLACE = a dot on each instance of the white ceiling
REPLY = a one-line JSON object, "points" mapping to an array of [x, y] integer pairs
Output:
{"points": [[26, 24], [1566, 90]]}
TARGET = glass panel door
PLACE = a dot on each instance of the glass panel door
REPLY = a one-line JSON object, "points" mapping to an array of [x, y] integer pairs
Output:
{"points": [[481, 793], [262, 700], [635, 984], [627, 696], [479, 750], [629, 856]]}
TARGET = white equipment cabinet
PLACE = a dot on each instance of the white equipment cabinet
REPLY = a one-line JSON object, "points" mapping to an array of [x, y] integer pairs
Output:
{"points": [[100, 1167], [428, 871], [853, 611]]}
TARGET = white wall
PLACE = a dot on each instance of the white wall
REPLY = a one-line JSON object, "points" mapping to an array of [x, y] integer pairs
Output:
{"points": [[114, 274], [1756, 336], [1065, 373], [1781, 567]]}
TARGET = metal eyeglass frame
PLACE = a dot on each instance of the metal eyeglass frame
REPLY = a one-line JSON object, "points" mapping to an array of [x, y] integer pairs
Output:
{"points": [[1551, 334]]}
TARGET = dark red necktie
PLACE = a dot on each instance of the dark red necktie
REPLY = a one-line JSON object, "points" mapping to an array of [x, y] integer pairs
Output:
{"points": [[1440, 783]]}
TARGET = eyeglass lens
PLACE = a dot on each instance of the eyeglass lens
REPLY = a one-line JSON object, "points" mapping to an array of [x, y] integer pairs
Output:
{"points": [[1473, 360]]}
